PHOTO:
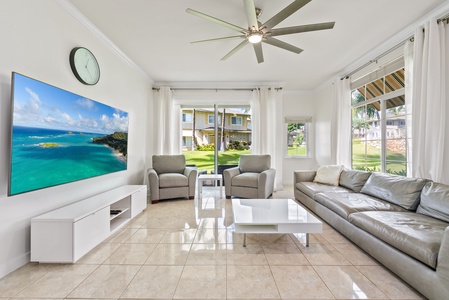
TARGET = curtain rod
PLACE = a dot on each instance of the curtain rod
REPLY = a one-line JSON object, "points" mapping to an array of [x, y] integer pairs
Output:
{"points": [[378, 57], [217, 89]]}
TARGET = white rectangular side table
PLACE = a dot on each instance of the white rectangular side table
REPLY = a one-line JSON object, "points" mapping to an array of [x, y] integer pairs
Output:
{"points": [[204, 177], [273, 216]]}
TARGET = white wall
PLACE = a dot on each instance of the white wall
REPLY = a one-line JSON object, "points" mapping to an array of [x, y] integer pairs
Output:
{"points": [[37, 37], [323, 113], [298, 103]]}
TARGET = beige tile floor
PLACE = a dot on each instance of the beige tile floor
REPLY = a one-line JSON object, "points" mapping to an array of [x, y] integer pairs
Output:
{"points": [[186, 249]]}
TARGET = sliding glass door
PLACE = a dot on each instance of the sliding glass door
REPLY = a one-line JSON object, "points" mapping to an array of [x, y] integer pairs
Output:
{"points": [[214, 137]]}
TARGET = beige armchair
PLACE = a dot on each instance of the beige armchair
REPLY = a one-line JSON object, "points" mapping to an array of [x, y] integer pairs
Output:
{"points": [[170, 178], [253, 178]]}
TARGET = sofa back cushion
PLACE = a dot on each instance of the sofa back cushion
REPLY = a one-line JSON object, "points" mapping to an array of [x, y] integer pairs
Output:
{"points": [[435, 201], [328, 174], [254, 163], [169, 163], [354, 179], [400, 190]]}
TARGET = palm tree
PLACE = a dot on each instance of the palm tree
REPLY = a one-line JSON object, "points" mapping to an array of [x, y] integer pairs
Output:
{"points": [[193, 131], [222, 143]]}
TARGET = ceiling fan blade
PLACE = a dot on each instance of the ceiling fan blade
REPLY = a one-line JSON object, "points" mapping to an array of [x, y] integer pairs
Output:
{"points": [[239, 46], [251, 14], [220, 39], [302, 28], [217, 21], [285, 13], [259, 53], [283, 45]]}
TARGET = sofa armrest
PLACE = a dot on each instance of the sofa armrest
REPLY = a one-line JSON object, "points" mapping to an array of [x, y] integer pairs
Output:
{"points": [[191, 173], [153, 179], [266, 183], [443, 257], [227, 176], [303, 176]]}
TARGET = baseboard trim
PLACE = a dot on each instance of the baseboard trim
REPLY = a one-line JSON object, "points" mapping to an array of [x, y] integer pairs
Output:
{"points": [[13, 264]]}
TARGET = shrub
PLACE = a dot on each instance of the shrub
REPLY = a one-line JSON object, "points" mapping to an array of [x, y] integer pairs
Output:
{"points": [[206, 147], [238, 145]]}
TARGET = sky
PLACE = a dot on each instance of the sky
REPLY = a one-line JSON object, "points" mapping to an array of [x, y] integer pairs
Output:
{"points": [[40, 105]]}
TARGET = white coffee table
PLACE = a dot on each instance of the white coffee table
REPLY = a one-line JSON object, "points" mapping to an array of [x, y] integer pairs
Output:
{"points": [[273, 216], [204, 177]]}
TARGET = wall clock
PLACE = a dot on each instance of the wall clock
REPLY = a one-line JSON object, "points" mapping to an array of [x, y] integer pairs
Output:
{"points": [[84, 65]]}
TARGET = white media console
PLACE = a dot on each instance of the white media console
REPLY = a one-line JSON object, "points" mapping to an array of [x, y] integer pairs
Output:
{"points": [[66, 234]]}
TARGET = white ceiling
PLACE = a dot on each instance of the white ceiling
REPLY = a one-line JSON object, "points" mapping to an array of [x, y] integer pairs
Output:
{"points": [[156, 36]]}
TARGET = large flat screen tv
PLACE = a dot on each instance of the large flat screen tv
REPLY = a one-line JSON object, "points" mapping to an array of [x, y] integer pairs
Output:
{"points": [[60, 137]]}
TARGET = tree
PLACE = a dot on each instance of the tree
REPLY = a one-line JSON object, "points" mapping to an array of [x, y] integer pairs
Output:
{"points": [[223, 140], [193, 130]]}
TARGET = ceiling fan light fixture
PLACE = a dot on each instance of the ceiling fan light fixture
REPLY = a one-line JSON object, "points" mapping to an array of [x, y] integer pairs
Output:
{"points": [[255, 37]]}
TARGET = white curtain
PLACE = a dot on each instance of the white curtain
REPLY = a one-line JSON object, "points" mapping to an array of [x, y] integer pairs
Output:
{"points": [[168, 123], [429, 98], [408, 66], [266, 105], [341, 123]]}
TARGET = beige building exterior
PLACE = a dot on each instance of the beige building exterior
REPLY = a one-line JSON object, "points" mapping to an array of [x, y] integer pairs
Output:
{"points": [[237, 127]]}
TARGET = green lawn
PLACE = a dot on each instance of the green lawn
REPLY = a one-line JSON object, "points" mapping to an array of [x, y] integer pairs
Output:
{"points": [[297, 151], [396, 162], [204, 160]]}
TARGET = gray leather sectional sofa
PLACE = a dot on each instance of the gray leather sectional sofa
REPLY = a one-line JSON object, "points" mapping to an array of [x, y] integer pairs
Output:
{"points": [[402, 222]]}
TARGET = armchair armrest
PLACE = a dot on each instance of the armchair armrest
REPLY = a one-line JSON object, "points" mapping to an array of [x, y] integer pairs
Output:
{"points": [[227, 176], [153, 179], [303, 176], [191, 173], [266, 183]]}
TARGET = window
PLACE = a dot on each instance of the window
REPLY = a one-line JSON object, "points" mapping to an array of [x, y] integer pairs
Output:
{"points": [[298, 136], [211, 119], [187, 141], [187, 118], [379, 117], [236, 121]]}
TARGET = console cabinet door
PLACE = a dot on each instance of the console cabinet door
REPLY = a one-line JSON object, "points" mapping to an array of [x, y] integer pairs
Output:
{"points": [[89, 232], [138, 202], [51, 241]]}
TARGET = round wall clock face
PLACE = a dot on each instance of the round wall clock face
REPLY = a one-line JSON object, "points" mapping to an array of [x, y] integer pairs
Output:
{"points": [[84, 65]]}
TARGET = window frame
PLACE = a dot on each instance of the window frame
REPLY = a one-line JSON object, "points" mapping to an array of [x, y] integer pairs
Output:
{"points": [[306, 142], [382, 124]]}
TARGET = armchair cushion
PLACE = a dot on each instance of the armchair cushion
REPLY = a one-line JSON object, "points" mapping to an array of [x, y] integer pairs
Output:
{"points": [[169, 163], [247, 179], [254, 163], [173, 180]]}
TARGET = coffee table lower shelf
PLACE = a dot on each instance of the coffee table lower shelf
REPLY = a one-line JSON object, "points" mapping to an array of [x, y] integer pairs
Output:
{"points": [[273, 216], [262, 229]]}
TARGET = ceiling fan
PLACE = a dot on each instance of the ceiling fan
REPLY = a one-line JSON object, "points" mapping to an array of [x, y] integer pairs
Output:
{"points": [[258, 33]]}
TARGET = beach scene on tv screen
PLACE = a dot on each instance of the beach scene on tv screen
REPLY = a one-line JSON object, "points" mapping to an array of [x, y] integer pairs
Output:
{"points": [[60, 137]]}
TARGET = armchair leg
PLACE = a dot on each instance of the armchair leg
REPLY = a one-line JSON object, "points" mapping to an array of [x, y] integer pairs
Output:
{"points": [[191, 197], [154, 201]]}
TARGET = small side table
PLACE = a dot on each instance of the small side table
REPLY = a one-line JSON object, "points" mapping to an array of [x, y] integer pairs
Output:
{"points": [[204, 177]]}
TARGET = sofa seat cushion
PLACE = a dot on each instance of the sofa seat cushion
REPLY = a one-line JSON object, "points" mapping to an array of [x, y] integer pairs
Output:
{"points": [[345, 204], [170, 180], [247, 179], [313, 188], [416, 235], [400, 190]]}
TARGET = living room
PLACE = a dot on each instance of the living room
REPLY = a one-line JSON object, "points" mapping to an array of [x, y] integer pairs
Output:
{"points": [[38, 37]]}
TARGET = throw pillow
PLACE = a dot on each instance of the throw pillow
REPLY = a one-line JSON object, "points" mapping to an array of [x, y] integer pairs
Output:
{"points": [[328, 174]]}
